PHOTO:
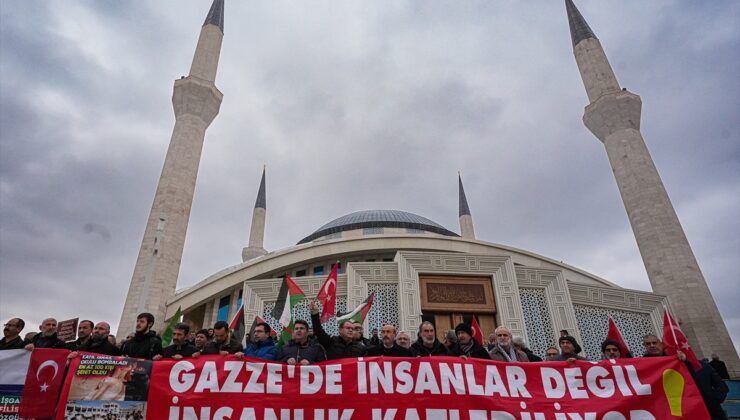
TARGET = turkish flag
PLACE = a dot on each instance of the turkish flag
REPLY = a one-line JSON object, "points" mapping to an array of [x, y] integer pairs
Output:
{"points": [[43, 381], [674, 341], [614, 334], [328, 296], [477, 333]]}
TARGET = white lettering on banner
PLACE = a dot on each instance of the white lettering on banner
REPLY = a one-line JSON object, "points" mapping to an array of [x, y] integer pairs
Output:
{"points": [[309, 386], [208, 378], [252, 384], [274, 379], [231, 385], [180, 380], [456, 379], [426, 380], [333, 379], [599, 382], [517, 379]]}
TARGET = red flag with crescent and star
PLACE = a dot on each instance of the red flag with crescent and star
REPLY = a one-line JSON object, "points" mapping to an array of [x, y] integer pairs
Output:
{"points": [[43, 381], [328, 295], [477, 333], [674, 341]]}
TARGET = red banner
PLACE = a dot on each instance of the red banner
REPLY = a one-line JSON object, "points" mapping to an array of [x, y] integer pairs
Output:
{"points": [[223, 388]]}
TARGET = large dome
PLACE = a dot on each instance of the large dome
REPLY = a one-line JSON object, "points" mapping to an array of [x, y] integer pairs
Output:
{"points": [[378, 219]]}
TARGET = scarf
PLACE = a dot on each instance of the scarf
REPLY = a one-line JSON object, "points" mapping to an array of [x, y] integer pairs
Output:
{"points": [[511, 357]]}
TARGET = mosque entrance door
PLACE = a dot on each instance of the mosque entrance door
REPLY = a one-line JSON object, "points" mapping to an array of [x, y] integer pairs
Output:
{"points": [[447, 300]]}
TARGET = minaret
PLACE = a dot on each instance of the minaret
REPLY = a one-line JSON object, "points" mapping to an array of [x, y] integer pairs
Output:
{"points": [[466, 220], [196, 101], [257, 232], [613, 116]]}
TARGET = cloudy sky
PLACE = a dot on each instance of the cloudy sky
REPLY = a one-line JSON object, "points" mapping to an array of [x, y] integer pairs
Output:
{"points": [[354, 105]]}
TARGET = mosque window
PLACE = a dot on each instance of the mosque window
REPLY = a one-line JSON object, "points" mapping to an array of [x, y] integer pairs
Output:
{"points": [[373, 231], [414, 231], [300, 273], [223, 308], [318, 270]]}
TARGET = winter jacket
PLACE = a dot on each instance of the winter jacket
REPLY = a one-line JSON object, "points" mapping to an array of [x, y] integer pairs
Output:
{"points": [[311, 351], [100, 347], [531, 356], [497, 355], [712, 388], [438, 349], [14, 344], [232, 346], [395, 351], [185, 350], [476, 351], [40, 341], [265, 349], [336, 347], [143, 345]]}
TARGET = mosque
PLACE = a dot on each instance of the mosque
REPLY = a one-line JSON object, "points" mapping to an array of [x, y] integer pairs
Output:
{"points": [[420, 270]]}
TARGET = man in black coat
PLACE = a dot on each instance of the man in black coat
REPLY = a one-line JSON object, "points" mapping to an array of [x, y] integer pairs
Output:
{"points": [[300, 350], [12, 335], [466, 345], [84, 332], [223, 343], [180, 346], [337, 347], [98, 342], [388, 345], [427, 343], [145, 344], [47, 338]]}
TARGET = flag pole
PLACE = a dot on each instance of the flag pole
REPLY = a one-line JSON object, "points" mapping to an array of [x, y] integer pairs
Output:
{"points": [[670, 320]]}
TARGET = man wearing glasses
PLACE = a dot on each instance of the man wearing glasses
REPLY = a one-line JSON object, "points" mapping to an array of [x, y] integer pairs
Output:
{"points": [[552, 353], [262, 346], [12, 335]]}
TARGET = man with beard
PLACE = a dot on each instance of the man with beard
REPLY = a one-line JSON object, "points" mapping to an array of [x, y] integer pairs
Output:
{"points": [[466, 345], [98, 342], [388, 345], [145, 344], [47, 338], [427, 343], [180, 346], [404, 340], [359, 337], [504, 350], [610, 350], [12, 335], [223, 343], [300, 350], [84, 331]]}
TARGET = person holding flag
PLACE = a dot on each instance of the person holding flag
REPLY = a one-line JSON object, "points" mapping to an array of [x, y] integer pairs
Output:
{"points": [[712, 388], [288, 297], [337, 347]]}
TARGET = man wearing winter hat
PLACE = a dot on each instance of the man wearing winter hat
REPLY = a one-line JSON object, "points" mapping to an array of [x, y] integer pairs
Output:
{"points": [[569, 349], [466, 345]]}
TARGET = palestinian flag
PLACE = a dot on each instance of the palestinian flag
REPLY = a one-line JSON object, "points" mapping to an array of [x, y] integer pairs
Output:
{"points": [[289, 296], [360, 312], [237, 326]]}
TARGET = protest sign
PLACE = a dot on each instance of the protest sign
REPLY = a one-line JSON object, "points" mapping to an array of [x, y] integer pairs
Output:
{"points": [[223, 388], [67, 330], [99, 386]]}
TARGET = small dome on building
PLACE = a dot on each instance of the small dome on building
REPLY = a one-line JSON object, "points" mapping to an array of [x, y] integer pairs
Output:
{"points": [[378, 219]]}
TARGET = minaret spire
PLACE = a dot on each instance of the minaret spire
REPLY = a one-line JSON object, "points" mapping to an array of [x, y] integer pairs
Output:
{"points": [[596, 72], [196, 102], [613, 116], [466, 219], [257, 231]]}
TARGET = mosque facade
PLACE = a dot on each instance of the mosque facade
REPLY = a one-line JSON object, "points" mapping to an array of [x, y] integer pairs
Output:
{"points": [[420, 270]]}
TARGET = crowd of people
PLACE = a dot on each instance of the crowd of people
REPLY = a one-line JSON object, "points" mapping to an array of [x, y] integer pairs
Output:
{"points": [[310, 344]]}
